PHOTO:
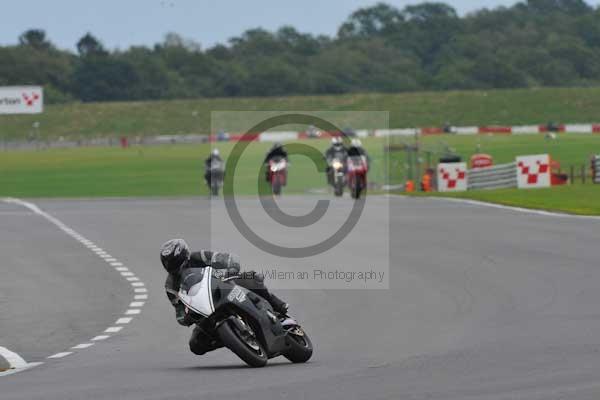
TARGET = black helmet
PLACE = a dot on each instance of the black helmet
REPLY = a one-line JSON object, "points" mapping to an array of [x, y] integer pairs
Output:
{"points": [[173, 254]]}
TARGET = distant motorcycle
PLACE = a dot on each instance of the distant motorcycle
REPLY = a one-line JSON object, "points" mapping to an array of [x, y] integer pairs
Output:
{"points": [[337, 177], [234, 317], [217, 174], [277, 174], [357, 175]]}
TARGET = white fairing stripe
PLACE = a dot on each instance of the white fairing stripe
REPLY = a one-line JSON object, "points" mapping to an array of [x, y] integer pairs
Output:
{"points": [[210, 299], [201, 301]]}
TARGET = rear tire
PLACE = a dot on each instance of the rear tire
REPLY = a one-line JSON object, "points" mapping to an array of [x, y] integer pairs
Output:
{"points": [[301, 349], [255, 357]]}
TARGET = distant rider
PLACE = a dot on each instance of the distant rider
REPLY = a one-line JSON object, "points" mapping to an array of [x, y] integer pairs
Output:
{"points": [[277, 152], [177, 260], [337, 149], [357, 150], [215, 155]]}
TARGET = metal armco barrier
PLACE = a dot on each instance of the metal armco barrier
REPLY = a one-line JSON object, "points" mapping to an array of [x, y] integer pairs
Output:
{"points": [[497, 177], [596, 161]]}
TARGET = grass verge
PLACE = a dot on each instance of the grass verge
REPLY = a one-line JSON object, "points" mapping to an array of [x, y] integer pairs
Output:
{"points": [[571, 199], [506, 107]]}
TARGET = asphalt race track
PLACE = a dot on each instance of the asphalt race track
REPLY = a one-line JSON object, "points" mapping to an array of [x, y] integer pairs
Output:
{"points": [[484, 303]]}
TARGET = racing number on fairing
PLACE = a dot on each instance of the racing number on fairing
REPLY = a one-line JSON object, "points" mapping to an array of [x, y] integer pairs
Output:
{"points": [[237, 294]]}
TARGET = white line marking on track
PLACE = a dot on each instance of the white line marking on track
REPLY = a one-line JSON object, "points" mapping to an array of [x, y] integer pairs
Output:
{"points": [[14, 360], [15, 370], [61, 355], [82, 346], [511, 208]]}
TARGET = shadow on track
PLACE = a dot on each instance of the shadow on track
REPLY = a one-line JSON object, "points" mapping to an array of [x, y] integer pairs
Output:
{"points": [[235, 366]]}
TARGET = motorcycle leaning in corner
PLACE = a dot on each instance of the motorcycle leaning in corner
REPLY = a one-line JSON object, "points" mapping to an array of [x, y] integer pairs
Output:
{"points": [[233, 317]]}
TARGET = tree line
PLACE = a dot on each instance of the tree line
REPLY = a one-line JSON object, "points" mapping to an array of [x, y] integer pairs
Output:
{"points": [[377, 49]]}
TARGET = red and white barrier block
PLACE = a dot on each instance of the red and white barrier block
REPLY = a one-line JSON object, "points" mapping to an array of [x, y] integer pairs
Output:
{"points": [[452, 177], [533, 171]]}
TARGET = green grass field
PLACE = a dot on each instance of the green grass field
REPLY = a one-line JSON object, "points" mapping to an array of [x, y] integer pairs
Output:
{"points": [[574, 199], [177, 170], [146, 171], [529, 106], [567, 149]]}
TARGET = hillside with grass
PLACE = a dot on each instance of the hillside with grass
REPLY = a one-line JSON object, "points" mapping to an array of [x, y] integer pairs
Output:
{"points": [[114, 119]]}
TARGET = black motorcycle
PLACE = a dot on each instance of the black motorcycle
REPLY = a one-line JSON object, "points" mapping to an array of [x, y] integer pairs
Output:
{"points": [[217, 174], [234, 317]]}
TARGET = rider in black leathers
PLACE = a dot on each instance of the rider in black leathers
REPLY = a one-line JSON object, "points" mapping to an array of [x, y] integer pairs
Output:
{"points": [[215, 155], [276, 152], [176, 258], [357, 150]]}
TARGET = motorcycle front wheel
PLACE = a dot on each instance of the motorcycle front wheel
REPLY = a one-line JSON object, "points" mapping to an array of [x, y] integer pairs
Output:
{"points": [[277, 188], [243, 343], [338, 190], [301, 348], [215, 189]]}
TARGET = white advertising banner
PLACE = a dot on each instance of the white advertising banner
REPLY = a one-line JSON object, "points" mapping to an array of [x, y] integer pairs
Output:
{"points": [[579, 128], [21, 100], [533, 171], [278, 136], [465, 130], [452, 177], [525, 130]]}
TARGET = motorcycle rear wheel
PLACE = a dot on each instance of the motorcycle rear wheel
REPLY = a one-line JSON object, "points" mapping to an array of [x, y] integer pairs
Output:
{"points": [[245, 346]]}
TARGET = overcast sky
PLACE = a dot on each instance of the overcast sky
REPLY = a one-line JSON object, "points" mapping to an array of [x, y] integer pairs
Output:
{"points": [[121, 23]]}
